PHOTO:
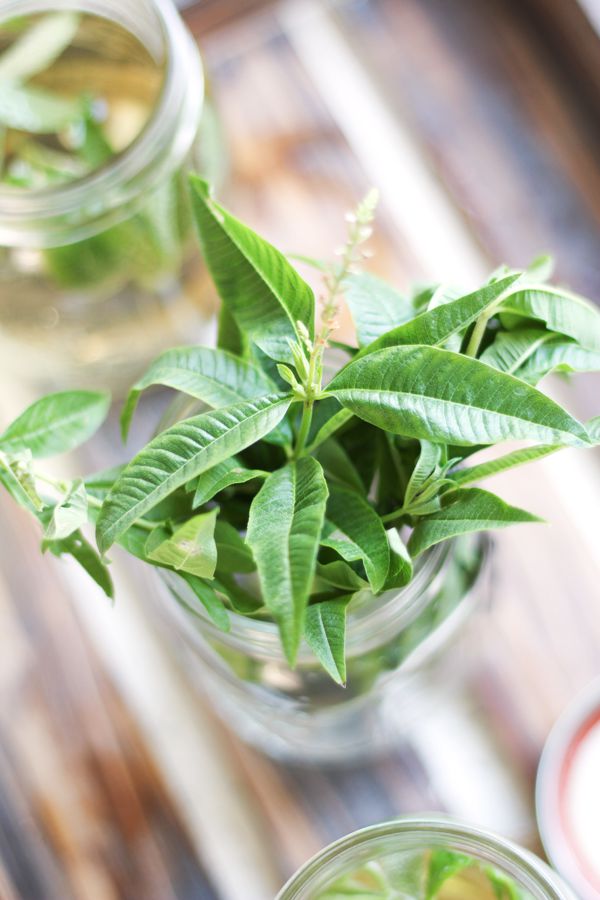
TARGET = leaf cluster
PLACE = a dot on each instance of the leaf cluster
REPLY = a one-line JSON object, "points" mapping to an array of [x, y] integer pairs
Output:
{"points": [[312, 471]]}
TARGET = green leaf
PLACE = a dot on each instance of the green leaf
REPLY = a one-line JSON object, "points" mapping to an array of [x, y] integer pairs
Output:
{"points": [[56, 423], [559, 355], [354, 530], [436, 325], [233, 553], [400, 571], [241, 600], [191, 548], [181, 453], [214, 376], [264, 293], [36, 110], [511, 349], [443, 865], [593, 429], [338, 465], [328, 418], [221, 476], [502, 463], [325, 633], [425, 468], [229, 335], [375, 306], [464, 511], [340, 575], [284, 527], [70, 515], [561, 310], [541, 269], [81, 550], [207, 596], [17, 478], [436, 395], [39, 47]]}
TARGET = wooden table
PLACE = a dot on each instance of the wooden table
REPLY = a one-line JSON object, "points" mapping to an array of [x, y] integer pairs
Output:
{"points": [[116, 780]]}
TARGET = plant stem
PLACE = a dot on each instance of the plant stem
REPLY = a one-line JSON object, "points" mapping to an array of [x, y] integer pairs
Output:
{"points": [[307, 414], [477, 336]]}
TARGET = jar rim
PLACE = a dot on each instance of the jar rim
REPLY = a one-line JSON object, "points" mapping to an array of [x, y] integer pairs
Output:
{"points": [[533, 875], [135, 171], [364, 627]]}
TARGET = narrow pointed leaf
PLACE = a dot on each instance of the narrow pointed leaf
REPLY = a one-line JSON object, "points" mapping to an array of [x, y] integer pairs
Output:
{"points": [[284, 527], [209, 600], [261, 289], [81, 550], [354, 530], [511, 349], [221, 476], [70, 515], [436, 395], [559, 356], [436, 325], [400, 571], [16, 477], [328, 418], [38, 47], [57, 423], [443, 865], [340, 575], [216, 377], [325, 633], [181, 453], [502, 464], [376, 307], [426, 466], [191, 548], [464, 511], [338, 466], [562, 311]]}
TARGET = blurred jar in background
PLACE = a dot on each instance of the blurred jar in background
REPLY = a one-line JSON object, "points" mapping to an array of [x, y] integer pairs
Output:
{"points": [[102, 114]]}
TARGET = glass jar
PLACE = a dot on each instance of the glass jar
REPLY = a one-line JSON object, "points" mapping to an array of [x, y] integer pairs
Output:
{"points": [[400, 855], [99, 274], [403, 650]]}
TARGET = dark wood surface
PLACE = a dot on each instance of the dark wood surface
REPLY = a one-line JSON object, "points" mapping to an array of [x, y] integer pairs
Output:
{"points": [[506, 127]]}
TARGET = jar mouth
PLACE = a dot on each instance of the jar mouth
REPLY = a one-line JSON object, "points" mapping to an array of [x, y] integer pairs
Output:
{"points": [[424, 833], [389, 612], [87, 205]]}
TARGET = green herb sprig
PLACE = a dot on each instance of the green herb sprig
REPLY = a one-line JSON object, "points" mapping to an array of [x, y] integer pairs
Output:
{"points": [[287, 494]]}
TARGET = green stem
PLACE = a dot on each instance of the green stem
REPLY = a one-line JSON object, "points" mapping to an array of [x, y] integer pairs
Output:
{"points": [[480, 326], [307, 414], [397, 514]]}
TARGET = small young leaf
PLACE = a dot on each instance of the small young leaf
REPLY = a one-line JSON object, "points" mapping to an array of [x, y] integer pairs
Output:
{"points": [[375, 306], [464, 511], [57, 423], [426, 466], [325, 633], [221, 476], [559, 355], [436, 325], [262, 290], [214, 376], [179, 454], [444, 397], [511, 349], [191, 548], [284, 527], [70, 515], [354, 530]]}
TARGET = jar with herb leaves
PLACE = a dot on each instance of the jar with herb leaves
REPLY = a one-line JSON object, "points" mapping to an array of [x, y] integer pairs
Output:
{"points": [[425, 858], [102, 113], [312, 510]]}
